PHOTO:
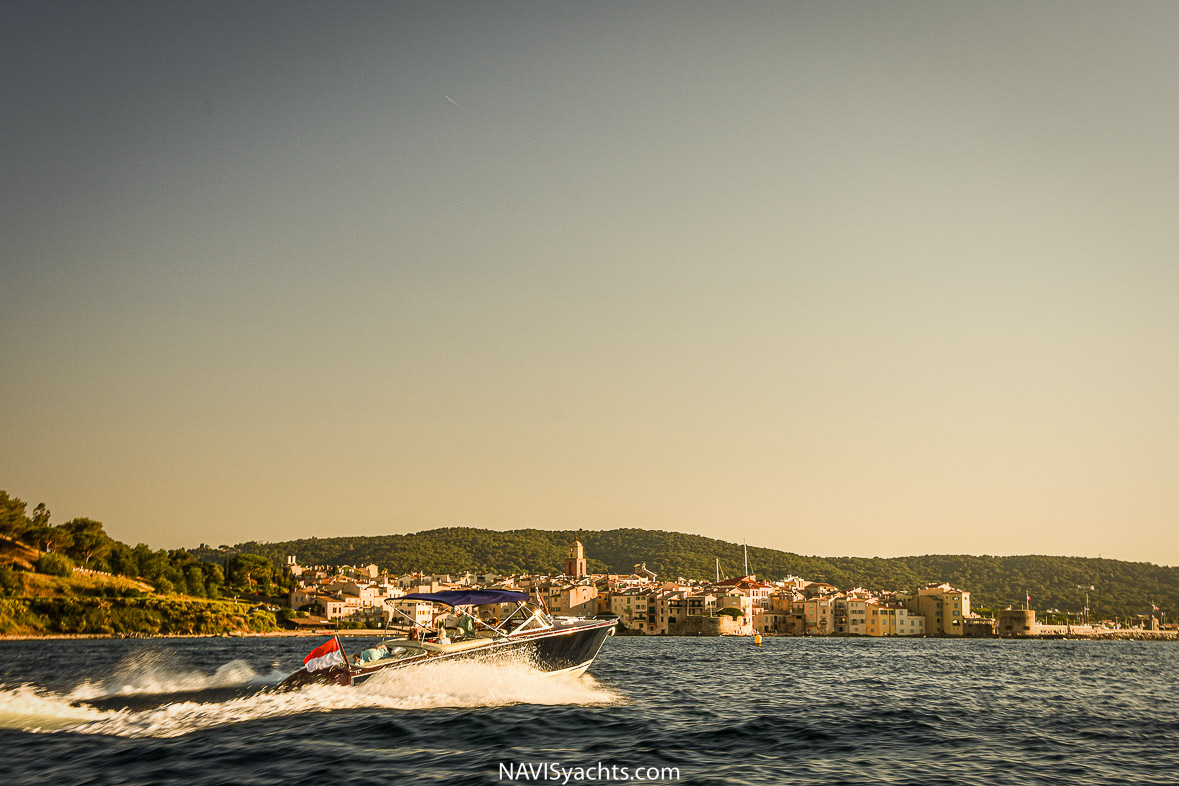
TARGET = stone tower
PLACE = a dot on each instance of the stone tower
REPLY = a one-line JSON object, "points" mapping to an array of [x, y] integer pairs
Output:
{"points": [[575, 564]]}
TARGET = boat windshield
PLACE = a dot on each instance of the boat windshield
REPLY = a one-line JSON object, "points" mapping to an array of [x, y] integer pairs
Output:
{"points": [[526, 617]]}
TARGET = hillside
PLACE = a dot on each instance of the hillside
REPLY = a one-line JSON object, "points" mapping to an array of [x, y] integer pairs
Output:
{"points": [[1120, 588], [93, 603], [80, 584], [98, 603], [17, 554]]}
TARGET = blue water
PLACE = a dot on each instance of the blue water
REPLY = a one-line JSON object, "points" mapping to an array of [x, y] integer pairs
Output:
{"points": [[712, 711]]}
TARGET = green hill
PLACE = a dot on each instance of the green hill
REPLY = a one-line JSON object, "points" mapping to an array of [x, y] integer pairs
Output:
{"points": [[37, 604], [1120, 588]]}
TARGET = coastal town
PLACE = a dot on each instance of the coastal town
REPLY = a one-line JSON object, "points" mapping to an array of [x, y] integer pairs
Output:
{"points": [[645, 604], [73, 579]]}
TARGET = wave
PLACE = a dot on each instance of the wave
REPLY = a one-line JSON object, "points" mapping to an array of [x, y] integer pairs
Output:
{"points": [[159, 673], [455, 685], [481, 684], [29, 708]]}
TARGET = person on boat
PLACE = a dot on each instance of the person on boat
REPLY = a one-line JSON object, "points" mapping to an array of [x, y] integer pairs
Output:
{"points": [[466, 626], [372, 654], [451, 626], [438, 635]]}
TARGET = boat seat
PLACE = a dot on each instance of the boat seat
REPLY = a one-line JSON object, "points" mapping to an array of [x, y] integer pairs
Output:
{"points": [[454, 646]]}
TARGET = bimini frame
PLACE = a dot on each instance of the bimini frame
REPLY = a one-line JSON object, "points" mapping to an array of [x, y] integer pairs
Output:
{"points": [[526, 611]]}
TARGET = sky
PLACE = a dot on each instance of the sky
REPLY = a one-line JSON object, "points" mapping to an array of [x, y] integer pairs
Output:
{"points": [[872, 279]]}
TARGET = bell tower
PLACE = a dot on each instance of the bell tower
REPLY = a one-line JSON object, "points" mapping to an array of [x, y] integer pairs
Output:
{"points": [[575, 564]]}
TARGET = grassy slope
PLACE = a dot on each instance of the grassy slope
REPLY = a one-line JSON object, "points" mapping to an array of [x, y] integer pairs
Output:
{"points": [[100, 604]]}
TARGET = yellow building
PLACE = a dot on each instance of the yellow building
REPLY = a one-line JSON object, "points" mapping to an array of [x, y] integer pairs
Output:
{"points": [[943, 608], [572, 600], [635, 609], [816, 614], [893, 620], [856, 616]]}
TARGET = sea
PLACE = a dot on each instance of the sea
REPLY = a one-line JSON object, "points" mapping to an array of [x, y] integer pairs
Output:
{"points": [[660, 710]]}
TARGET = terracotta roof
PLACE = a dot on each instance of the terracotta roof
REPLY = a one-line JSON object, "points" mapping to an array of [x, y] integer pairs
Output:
{"points": [[744, 582]]}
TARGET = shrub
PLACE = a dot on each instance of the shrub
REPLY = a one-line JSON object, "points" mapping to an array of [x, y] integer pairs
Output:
{"points": [[55, 564], [262, 622], [9, 584], [136, 620], [17, 617]]}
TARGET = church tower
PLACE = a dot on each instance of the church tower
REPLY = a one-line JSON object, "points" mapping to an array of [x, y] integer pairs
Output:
{"points": [[575, 565]]}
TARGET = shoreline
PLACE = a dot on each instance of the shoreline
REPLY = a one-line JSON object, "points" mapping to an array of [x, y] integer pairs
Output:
{"points": [[1123, 635], [278, 634], [1109, 635]]}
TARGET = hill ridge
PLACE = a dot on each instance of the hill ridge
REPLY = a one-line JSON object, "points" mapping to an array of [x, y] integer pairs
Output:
{"points": [[1120, 588]]}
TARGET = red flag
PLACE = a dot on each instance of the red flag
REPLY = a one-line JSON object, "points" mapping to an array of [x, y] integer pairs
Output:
{"points": [[324, 656], [1156, 608]]}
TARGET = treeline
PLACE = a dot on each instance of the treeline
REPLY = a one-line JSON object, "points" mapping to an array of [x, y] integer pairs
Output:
{"points": [[1119, 588], [83, 542]]}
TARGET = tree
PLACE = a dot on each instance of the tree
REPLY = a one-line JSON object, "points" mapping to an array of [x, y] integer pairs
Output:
{"points": [[149, 564], [12, 516], [121, 560], [40, 517], [214, 579], [194, 577], [88, 539], [50, 538], [250, 572]]}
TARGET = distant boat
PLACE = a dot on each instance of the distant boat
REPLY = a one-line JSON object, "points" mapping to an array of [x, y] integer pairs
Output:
{"points": [[559, 645]]}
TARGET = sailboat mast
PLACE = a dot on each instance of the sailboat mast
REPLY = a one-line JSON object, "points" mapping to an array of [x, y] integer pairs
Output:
{"points": [[746, 545]]}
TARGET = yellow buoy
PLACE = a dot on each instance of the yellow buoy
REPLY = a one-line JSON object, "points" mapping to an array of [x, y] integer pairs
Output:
{"points": [[757, 639]]}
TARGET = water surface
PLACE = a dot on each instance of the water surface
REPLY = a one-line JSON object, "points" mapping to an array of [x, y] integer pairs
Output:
{"points": [[795, 711]]}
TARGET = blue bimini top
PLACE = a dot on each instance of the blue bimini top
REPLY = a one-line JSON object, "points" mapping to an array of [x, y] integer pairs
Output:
{"points": [[467, 597]]}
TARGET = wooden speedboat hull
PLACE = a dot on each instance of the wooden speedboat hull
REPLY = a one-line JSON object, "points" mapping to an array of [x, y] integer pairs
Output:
{"points": [[567, 648]]}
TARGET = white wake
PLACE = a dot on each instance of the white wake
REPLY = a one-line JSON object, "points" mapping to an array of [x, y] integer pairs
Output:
{"points": [[157, 672], [455, 685]]}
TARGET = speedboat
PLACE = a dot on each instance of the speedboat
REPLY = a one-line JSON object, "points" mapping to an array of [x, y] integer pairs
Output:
{"points": [[473, 629]]}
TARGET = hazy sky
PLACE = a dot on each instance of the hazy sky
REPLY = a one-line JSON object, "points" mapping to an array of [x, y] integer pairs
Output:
{"points": [[840, 279]]}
